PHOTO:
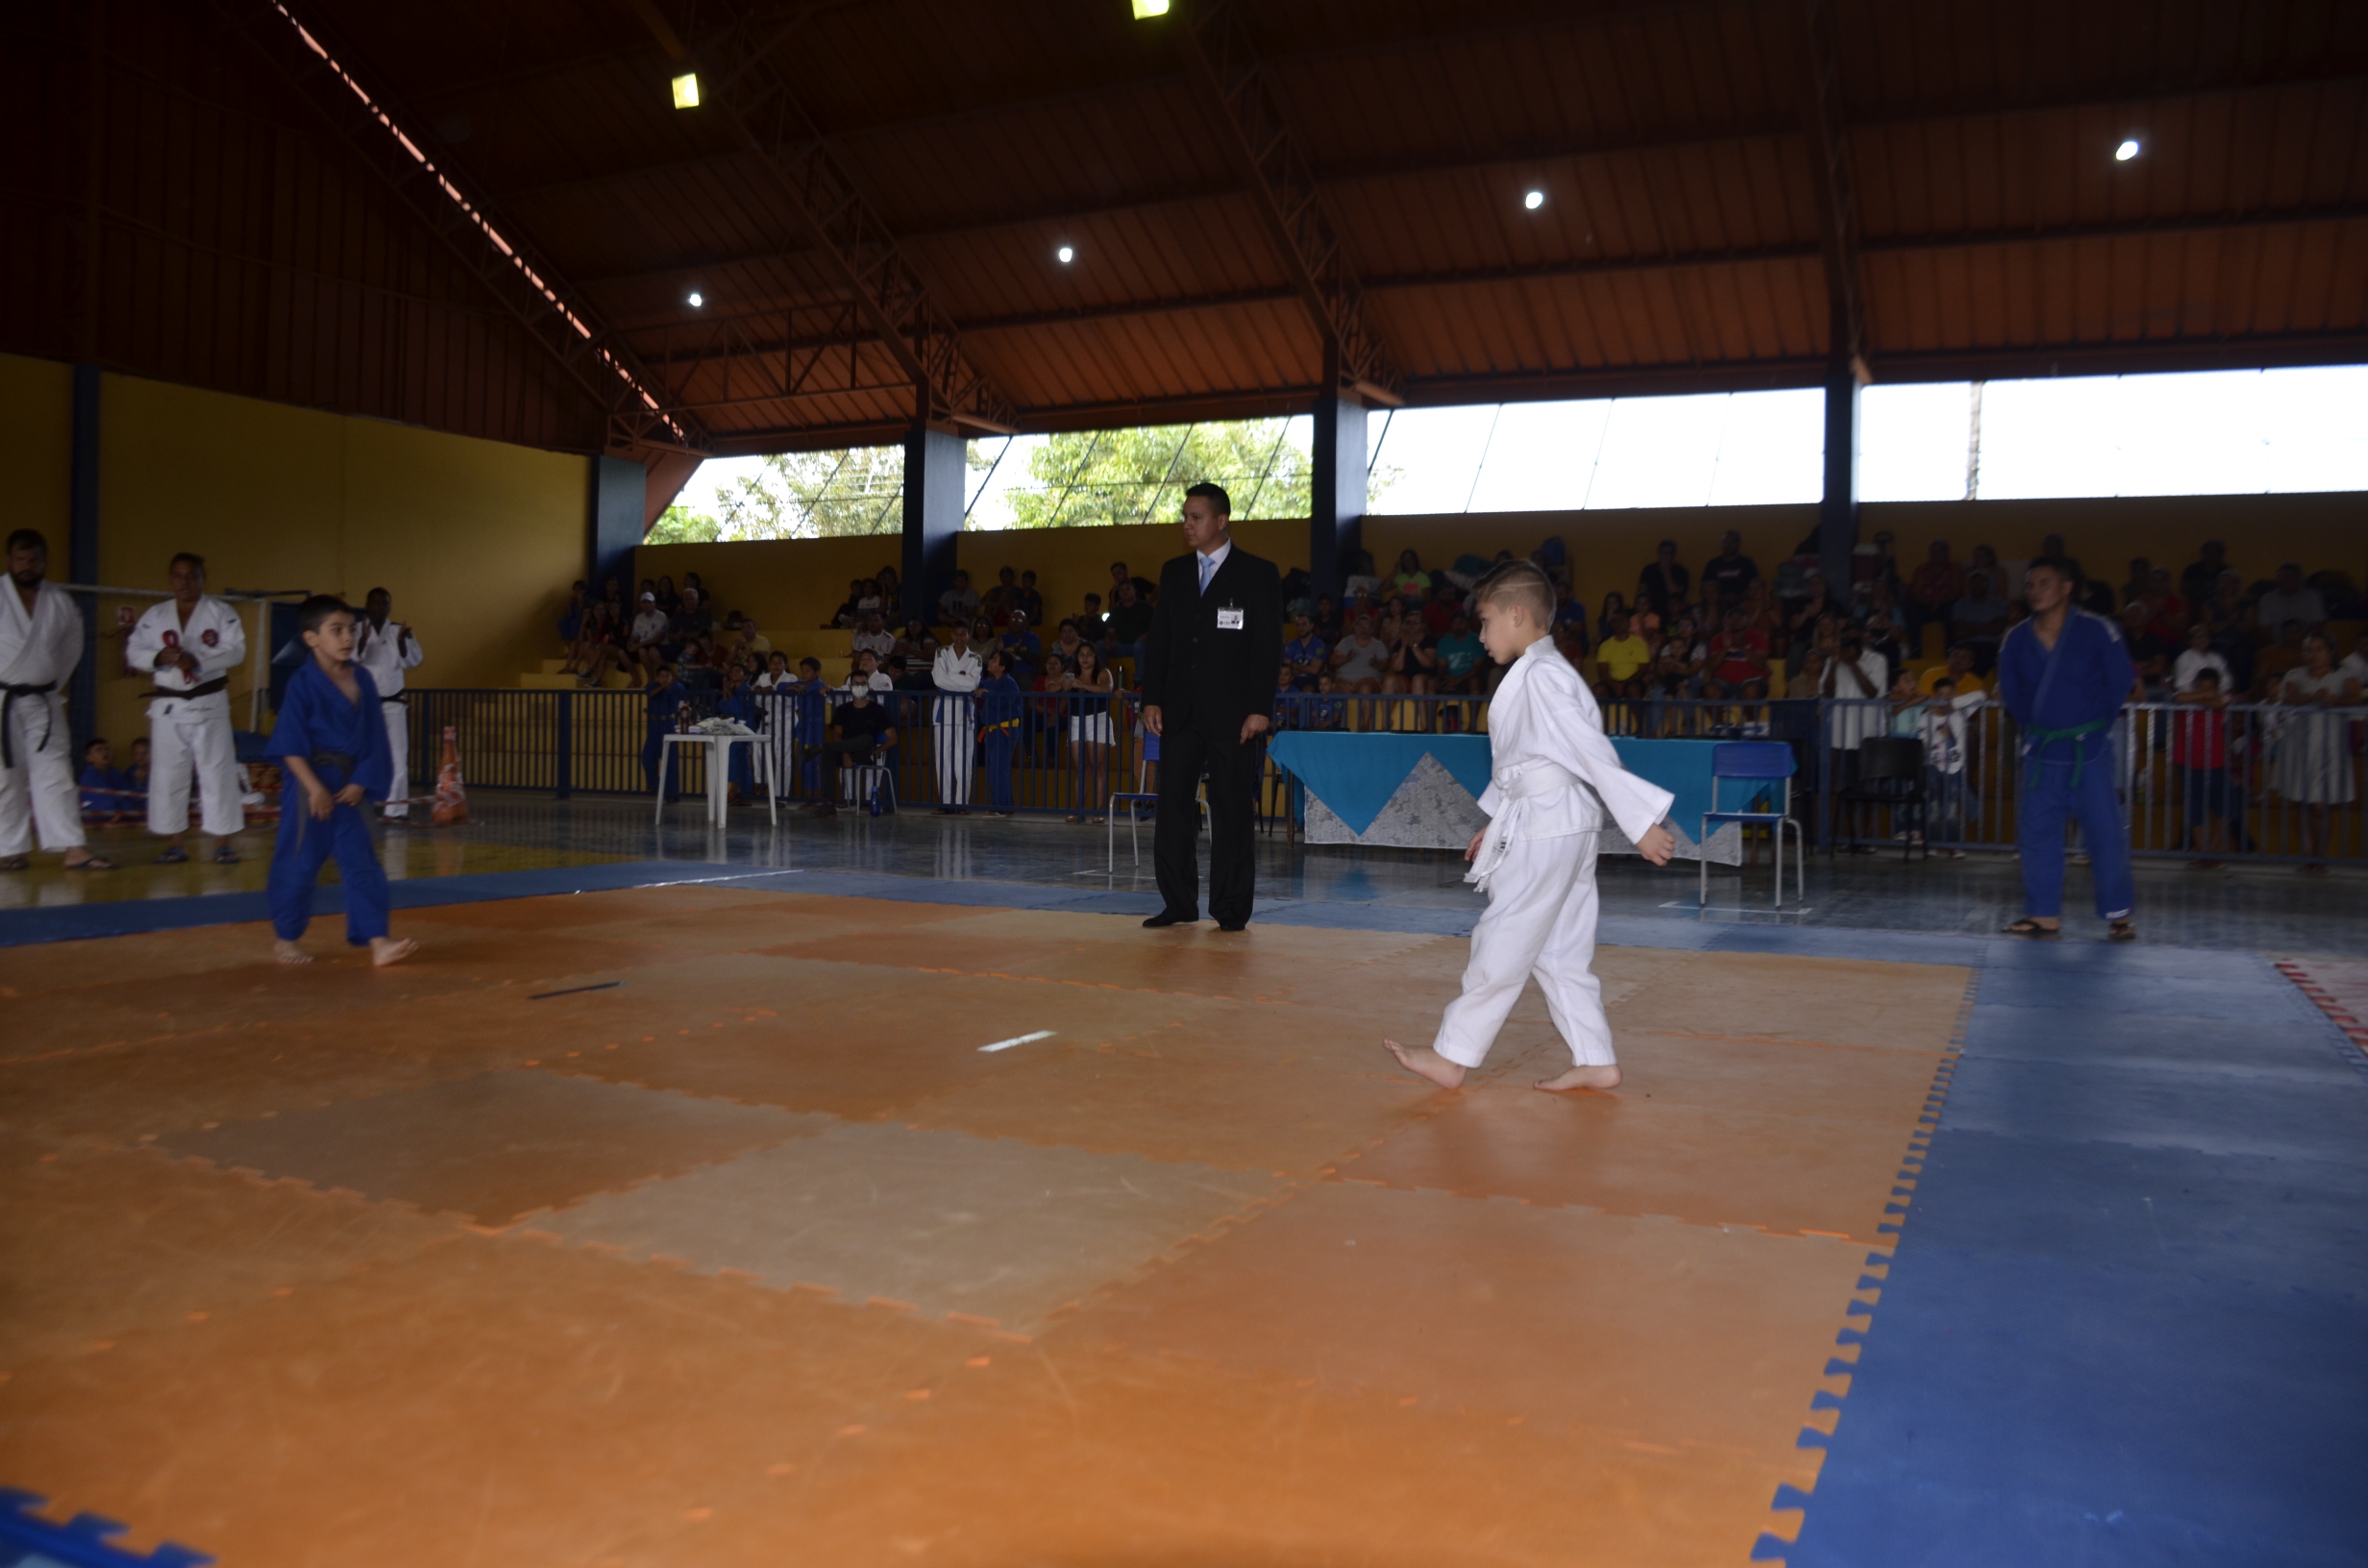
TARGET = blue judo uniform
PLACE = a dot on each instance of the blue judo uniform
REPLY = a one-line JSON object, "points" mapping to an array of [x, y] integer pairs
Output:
{"points": [[2066, 699], [345, 742]]}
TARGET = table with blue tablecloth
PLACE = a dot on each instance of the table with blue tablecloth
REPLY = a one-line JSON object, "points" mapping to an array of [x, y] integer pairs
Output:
{"points": [[1422, 792]]}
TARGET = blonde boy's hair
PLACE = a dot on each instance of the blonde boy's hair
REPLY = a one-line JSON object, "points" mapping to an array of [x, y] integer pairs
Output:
{"points": [[1518, 582]]}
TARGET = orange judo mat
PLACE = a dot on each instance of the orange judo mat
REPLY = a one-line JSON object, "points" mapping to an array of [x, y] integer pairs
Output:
{"points": [[756, 1256]]}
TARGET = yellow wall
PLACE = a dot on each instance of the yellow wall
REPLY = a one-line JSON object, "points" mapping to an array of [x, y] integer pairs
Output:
{"points": [[477, 541], [36, 445], [792, 586]]}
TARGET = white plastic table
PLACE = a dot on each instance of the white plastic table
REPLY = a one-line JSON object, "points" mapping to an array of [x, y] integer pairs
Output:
{"points": [[719, 772]]}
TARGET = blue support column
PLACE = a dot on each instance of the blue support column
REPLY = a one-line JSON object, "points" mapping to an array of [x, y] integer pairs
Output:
{"points": [[935, 473], [82, 555], [1837, 516], [620, 487], [1337, 513]]}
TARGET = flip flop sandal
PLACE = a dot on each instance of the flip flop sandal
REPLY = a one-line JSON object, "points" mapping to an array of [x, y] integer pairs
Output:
{"points": [[2121, 931], [16, 862], [95, 863], [173, 857], [2032, 929], [226, 857]]}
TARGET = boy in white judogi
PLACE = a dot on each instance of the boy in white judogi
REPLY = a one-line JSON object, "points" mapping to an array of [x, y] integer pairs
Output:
{"points": [[191, 642], [40, 643], [956, 673], [1554, 774], [387, 648]]}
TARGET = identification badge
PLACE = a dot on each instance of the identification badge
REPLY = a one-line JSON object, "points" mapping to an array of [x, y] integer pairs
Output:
{"points": [[1228, 618]]}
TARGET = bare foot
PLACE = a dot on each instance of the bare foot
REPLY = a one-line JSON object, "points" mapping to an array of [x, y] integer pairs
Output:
{"points": [[385, 950], [1426, 1063], [287, 952], [1601, 1078]]}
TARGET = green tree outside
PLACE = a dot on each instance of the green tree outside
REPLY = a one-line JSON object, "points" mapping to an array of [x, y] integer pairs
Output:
{"points": [[1089, 477]]}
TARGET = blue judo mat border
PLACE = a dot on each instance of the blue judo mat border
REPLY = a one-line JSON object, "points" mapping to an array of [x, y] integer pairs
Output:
{"points": [[74, 922]]}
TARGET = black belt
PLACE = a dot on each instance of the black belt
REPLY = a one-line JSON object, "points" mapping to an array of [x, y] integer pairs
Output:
{"points": [[205, 689], [404, 698], [341, 761], [8, 731]]}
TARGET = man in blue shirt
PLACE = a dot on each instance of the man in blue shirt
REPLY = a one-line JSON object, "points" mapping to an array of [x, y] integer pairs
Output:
{"points": [[1305, 654], [2064, 674], [331, 742]]}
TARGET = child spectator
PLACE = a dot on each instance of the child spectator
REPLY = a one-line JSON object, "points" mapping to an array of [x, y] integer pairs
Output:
{"points": [[2200, 760], [2197, 656], [104, 798], [1737, 661]]}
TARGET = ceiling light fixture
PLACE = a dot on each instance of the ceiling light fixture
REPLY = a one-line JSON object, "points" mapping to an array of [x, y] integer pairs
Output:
{"points": [[1067, 255], [2126, 151], [1534, 200], [686, 90], [1146, 9], [697, 299]]}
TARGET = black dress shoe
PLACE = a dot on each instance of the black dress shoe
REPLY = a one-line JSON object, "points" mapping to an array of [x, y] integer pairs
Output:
{"points": [[1233, 925], [1169, 917]]}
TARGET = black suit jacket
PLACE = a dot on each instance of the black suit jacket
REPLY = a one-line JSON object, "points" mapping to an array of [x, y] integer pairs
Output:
{"points": [[1200, 674]]}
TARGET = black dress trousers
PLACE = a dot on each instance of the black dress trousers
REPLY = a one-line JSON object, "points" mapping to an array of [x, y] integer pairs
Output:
{"points": [[1233, 771]]}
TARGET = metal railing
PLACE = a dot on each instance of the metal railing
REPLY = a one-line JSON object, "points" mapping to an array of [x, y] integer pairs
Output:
{"points": [[2253, 782], [2266, 781]]}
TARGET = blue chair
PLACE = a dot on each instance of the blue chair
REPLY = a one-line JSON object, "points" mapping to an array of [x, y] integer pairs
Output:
{"points": [[1759, 763], [1135, 799]]}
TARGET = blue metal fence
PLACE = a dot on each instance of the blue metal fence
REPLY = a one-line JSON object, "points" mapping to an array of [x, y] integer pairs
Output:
{"points": [[2285, 785]]}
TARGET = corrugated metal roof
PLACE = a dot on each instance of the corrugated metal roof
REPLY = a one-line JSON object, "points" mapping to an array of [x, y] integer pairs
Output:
{"points": [[1990, 230]]}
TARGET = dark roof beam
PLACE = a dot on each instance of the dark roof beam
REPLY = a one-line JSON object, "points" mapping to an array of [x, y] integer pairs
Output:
{"points": [[1248, 117], [756, 101]]}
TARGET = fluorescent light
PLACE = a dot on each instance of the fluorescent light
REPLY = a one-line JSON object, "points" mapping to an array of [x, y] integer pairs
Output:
{"points": [[1534, 200], [1066, 254], [697, 299], [686, 90], [1146, 9], [2126, 151]]}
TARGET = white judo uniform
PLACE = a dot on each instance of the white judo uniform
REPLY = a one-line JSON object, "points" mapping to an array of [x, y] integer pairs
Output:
{"points": [[189, 715], [1553, 775], [386, 653], [954, 722], [39, 652]]}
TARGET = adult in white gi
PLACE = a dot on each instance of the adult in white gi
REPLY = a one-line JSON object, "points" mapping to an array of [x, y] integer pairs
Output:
{"points": [[386, 647], [192, 642], [954, 723], [1553, 776], [40, 643]]}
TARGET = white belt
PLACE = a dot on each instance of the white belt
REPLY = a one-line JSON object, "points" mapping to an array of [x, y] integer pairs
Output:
{"points": [[1518, 787]]}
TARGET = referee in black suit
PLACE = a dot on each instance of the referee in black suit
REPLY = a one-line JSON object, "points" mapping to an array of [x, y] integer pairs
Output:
{"points": [[1209, 664]]}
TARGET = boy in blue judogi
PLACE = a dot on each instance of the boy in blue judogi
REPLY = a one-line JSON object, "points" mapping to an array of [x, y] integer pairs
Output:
{"points": [[2064, 674], [330, 742]]}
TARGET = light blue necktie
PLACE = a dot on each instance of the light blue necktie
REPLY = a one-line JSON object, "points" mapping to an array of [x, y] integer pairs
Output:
{"points": [[1206, 572]]}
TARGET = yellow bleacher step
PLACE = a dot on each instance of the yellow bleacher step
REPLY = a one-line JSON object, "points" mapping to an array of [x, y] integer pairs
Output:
{"points": [[553, 667]]}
